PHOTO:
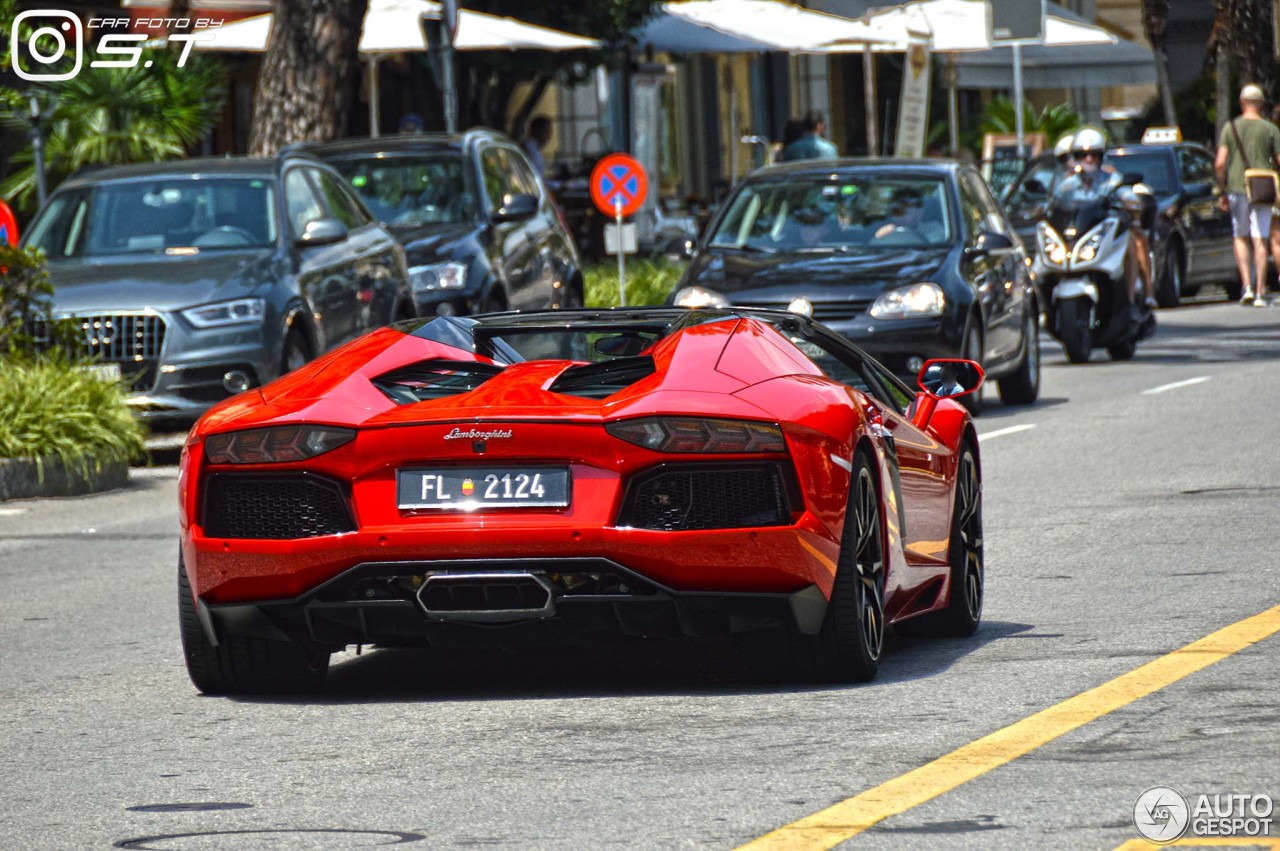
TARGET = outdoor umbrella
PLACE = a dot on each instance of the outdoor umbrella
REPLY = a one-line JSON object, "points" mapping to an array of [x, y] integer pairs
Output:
{"points": [[395, 26], [759, 26], [960, 26]]}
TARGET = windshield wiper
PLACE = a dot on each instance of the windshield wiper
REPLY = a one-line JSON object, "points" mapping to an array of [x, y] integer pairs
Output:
{"points": [[752, 249]]}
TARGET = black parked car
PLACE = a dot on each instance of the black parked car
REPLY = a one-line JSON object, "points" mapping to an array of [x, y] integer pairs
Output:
{"points": [[1192, 237], [911, 260], [202, 278], [480, 229]]}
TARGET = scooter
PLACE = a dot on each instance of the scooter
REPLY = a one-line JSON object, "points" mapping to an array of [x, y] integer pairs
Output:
{"points": [[1083, 251]]}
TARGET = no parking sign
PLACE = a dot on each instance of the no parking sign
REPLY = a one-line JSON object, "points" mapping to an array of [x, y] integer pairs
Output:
{"points": [[619, 179]]}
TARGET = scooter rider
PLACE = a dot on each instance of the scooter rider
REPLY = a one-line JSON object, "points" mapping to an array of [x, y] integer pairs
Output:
{"points": [[1088, 149]]}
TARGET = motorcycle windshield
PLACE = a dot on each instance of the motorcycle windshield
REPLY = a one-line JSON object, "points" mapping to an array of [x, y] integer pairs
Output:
{"points": [[1076, 207]]}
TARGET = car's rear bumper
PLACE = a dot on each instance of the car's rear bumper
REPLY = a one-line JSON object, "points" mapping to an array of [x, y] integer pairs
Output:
{"points": [[385, 603]]}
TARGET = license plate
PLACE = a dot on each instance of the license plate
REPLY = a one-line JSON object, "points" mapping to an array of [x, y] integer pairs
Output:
{"points": [[104, 371], [483, 487]]}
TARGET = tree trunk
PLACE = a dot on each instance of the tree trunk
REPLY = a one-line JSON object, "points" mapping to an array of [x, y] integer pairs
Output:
{"points": [[1155, 20], [309, 74], [1220, 40]]}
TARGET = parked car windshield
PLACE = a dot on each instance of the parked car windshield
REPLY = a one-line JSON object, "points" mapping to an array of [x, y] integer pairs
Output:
{"points": [[154, 216], [1156, 169], [825, 214], [412, 190]]}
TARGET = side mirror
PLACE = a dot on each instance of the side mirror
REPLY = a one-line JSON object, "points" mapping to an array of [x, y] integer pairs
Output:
{"points": [[1195, 191], [1031, 186], [947, 378], [321, 232], [516, 208], [990, 242], [944, 378]]}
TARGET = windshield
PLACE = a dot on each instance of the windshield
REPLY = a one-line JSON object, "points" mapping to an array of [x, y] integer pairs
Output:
{"points": [[1155, 169], [413, 190], [825, 214], [179, 215]]}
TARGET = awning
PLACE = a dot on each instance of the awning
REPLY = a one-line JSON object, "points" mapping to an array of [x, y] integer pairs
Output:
{"points": [[394, 26], [737, 26]]}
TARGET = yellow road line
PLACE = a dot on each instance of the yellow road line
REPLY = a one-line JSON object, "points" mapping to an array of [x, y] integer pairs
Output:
{"points": [[828, 828]]}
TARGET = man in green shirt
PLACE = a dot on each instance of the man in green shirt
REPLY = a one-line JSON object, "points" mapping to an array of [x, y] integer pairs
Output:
{"points": [[1249, 141]]}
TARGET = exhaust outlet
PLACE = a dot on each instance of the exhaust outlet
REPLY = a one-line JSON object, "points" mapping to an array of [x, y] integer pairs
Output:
{"points": [[487, 597]]}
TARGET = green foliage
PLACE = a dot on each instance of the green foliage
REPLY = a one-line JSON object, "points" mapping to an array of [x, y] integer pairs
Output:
{"points": [[110, 116], [26, 323], [999, 116], [1195, 109], [648, 282], [55, 408]]}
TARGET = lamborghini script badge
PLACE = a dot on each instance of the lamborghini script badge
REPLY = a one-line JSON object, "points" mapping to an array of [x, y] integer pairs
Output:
{"points": [[477, 434]]}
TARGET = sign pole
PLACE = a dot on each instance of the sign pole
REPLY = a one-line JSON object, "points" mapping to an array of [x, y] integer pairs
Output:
{"points": [[450, 13], [622, 266], [1017, 100]]}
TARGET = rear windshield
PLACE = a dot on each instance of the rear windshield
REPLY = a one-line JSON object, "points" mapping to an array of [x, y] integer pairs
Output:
{"points": [[831, 213], [1156, 169], [157, 216]]}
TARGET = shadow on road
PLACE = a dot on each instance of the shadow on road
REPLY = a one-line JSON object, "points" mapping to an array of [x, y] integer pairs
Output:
{"points": [[652, 668]]}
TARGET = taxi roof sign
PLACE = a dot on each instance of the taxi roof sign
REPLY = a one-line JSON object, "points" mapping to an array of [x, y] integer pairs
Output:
{"points": [[1162, 135]]}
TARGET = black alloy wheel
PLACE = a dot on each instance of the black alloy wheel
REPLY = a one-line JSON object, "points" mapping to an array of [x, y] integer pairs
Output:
{"points": [[1023, 386], [296, 351], [973, 351], [1169, 288], [963, 612], [848, 647], [244, 665]]}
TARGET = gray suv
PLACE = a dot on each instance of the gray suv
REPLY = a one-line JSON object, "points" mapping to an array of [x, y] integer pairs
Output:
{"points": [[203, 278]]}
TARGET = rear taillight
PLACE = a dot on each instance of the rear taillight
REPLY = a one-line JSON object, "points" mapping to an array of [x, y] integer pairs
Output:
{"points": [[688, 434], [274, 445]]}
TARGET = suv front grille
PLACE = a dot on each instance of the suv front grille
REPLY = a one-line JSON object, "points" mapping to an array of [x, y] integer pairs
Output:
{"points": [[122, 337], [679, 497], [277, 506]]}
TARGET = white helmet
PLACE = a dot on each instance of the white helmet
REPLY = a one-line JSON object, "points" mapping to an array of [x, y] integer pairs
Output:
{"points": [[1062, 150], [1088, 140]]}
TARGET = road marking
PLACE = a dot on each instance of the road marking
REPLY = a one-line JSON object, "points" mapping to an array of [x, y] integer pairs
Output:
{"points": [[10, 512], [1000, 432], [1175, 385], [845, 820]]}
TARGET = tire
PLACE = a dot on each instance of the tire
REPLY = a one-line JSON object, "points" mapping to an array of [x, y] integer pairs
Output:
{"points": [[244, 665], [963, 612], [297, 351], [1123, 351], [848, 647], [1074, 330], [1169, 291], [973, 351], [1023, 386]]}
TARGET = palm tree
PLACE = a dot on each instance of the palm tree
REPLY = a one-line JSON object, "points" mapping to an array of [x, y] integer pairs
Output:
{"points": [[999, 116], [110, 116], [1155, 20]]}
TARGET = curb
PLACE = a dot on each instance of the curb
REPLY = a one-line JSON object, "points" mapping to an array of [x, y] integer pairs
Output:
{"points": [[20, 478]]}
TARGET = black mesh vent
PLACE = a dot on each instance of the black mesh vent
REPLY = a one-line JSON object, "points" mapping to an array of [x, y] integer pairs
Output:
{"points": [[434, 379], [677, 497], [239, 505], [602, 380]]}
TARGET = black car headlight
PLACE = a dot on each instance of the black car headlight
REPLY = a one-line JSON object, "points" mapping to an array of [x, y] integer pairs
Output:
{"points": [[696, 296], [918, 301], [240, 311], [274, 445], [438, 276]]}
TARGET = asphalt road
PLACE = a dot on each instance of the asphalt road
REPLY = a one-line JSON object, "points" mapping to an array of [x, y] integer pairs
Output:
{"points": [[1122, 525]]}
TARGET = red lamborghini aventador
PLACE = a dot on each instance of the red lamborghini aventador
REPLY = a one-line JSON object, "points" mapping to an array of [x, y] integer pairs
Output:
{"points": [[513, 478]]}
